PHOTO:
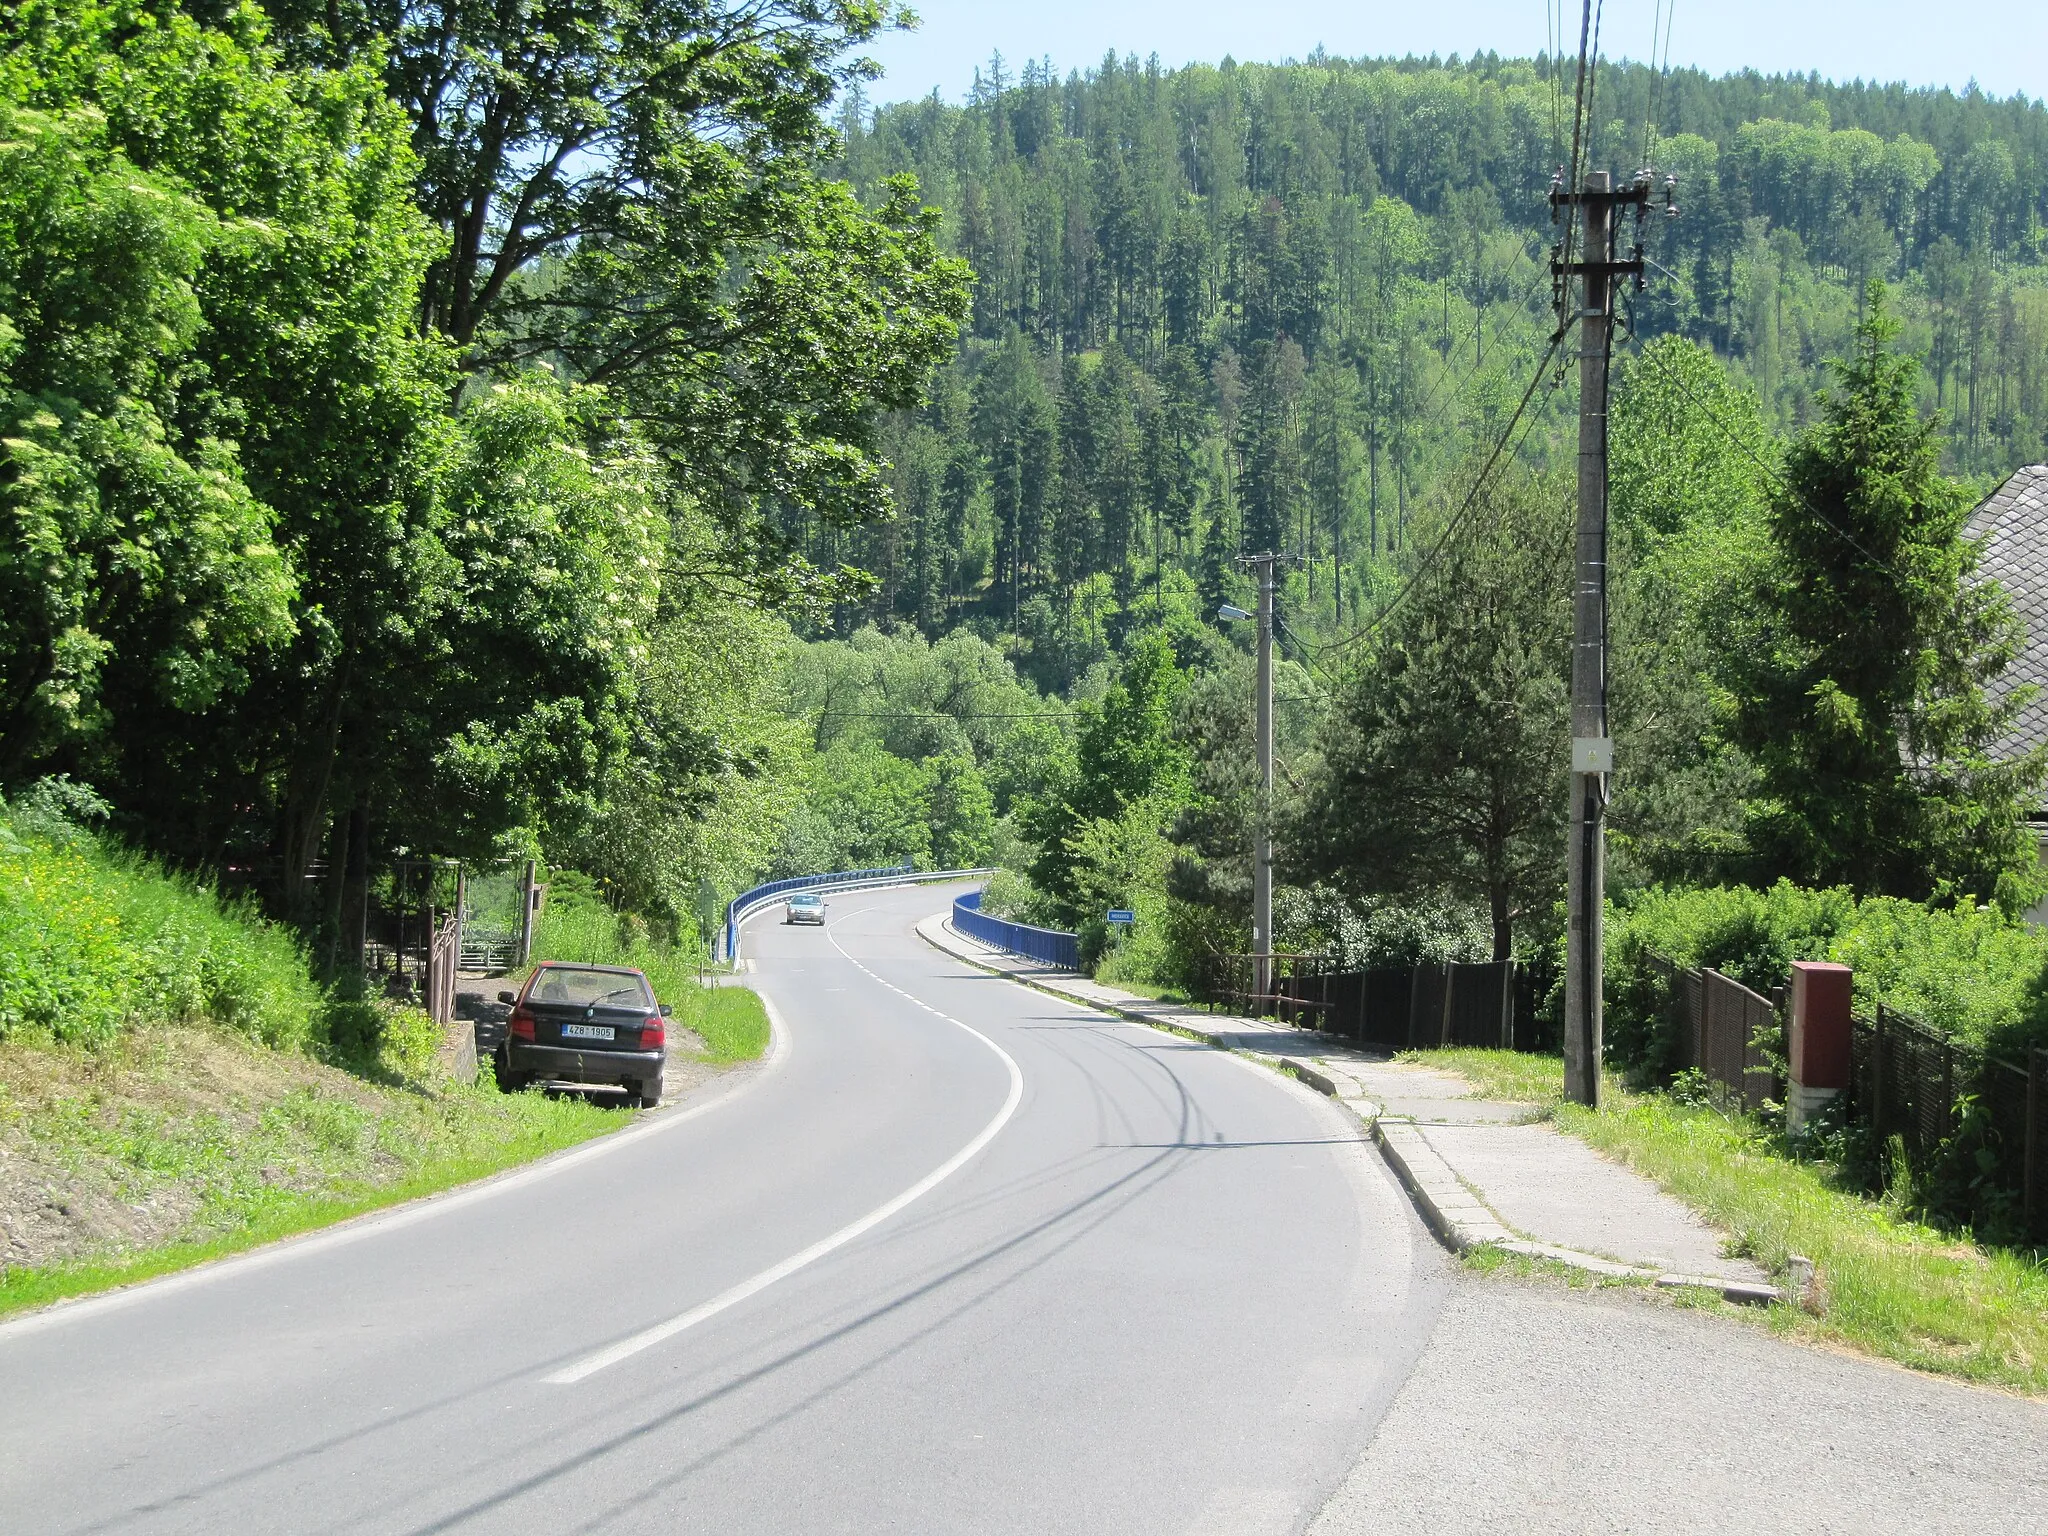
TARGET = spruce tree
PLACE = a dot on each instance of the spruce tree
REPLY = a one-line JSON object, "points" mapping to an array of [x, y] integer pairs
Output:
{"points": [[1861, 690]]}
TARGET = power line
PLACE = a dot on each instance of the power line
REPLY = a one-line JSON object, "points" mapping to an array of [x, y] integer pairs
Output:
{"points": [[1458, 518], [939, 714], [1569, 173], [1521, 255], [1593, 83], [1650, 107], [1579, 101], [1668, 10], [1307, 651], [1424, 416], [1782, 483], [1553, 45]]}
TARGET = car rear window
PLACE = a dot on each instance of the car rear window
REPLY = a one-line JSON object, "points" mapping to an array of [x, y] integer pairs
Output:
{"points": [[557, 984]]}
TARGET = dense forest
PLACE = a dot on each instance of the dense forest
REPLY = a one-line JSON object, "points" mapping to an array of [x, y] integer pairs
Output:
{"points": [[1250, 306], [629, 447]]}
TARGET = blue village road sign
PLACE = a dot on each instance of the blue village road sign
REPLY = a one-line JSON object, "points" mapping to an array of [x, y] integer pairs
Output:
{"points": [[1120, 915]]}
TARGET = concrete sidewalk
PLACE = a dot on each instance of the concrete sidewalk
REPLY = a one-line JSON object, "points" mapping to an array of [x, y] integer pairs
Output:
{"points": [[1480, 1170]]}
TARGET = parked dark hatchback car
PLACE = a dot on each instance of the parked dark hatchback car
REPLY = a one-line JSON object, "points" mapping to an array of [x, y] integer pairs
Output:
{"points": [[585, 1024]]}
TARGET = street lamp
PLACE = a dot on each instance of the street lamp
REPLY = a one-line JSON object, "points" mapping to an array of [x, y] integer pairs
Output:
{"points": [[1262, 832]]}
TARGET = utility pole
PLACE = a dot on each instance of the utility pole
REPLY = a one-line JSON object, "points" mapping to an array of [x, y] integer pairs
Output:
{"points": [[1262, 820], [1262, 835], [1592, 747]]}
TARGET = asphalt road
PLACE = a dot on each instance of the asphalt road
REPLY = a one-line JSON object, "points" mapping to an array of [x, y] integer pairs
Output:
{"points": [[1541, 1408], [957, 1258]]}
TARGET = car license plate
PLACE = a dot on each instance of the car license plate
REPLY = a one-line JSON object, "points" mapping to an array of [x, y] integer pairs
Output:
{"points": [[587, 1032]]}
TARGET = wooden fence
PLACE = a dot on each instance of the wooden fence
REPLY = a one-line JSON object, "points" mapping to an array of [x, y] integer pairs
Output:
{"points": [[1725, 1033], [1487, 1003], [1976, 1119]]}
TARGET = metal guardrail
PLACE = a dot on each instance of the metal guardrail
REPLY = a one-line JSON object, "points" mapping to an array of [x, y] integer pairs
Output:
{"points": [[747, 903], [1049, 945]]}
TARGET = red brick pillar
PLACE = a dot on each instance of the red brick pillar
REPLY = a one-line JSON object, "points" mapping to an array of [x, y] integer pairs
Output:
{"points": [[1820, 1038]]}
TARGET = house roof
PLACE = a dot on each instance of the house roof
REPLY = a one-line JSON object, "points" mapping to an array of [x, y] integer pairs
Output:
{"points": [[2012, 527]]}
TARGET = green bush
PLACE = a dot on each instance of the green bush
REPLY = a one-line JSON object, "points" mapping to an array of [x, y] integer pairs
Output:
{"points": [[94, 938], [1012, 897], [1965, 969]]}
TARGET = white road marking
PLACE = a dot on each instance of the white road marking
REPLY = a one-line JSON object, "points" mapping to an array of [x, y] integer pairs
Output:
{"points": [[647, 1338]]}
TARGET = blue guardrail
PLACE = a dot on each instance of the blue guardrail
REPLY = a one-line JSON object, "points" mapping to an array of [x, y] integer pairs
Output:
{"points": [[746, 900], [1046, 944]]}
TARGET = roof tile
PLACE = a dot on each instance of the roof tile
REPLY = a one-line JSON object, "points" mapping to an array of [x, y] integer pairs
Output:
{"points": [[2011, 525]]}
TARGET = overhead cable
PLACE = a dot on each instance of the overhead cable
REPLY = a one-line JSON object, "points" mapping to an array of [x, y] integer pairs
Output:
{"points": [[1749, 453], [1457, 519]]}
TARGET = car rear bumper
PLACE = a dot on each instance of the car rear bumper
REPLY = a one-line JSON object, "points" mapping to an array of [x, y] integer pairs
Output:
{"points": [[564, 1064]]}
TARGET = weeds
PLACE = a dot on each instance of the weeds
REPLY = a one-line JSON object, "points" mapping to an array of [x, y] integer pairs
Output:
{"points": [[94, 939], [1519, 1077]]}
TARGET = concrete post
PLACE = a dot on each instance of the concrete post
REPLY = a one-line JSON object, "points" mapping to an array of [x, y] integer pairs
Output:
{"points": [[1819, 1068], [1592, 748], [1262, 833]]}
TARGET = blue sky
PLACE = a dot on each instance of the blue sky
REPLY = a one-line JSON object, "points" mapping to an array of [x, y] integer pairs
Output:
{"points": [[2002, 44]]}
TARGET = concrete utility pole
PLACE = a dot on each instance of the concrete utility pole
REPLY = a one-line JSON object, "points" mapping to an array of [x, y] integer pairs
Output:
{"points": [[1592, 747], [1262, 836]]}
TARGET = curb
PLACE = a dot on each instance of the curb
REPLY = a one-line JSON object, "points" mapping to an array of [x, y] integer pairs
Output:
{"points": [[1451, 1210], [1447, 1205], [1215, 1039], [1462, 1220]]}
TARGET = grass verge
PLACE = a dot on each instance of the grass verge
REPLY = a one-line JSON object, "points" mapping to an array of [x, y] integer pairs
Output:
{"points": [[177, 1145], [1886, 1285], [730, 1019], [1520, 1077], [1891, 1286], [1144, 989]]}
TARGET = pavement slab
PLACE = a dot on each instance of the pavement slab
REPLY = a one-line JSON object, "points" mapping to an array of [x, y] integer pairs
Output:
{"points": [[1554, 1189]]}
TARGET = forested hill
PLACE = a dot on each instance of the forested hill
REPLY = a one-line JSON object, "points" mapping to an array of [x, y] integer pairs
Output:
{"points": [[1287, 297]]}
